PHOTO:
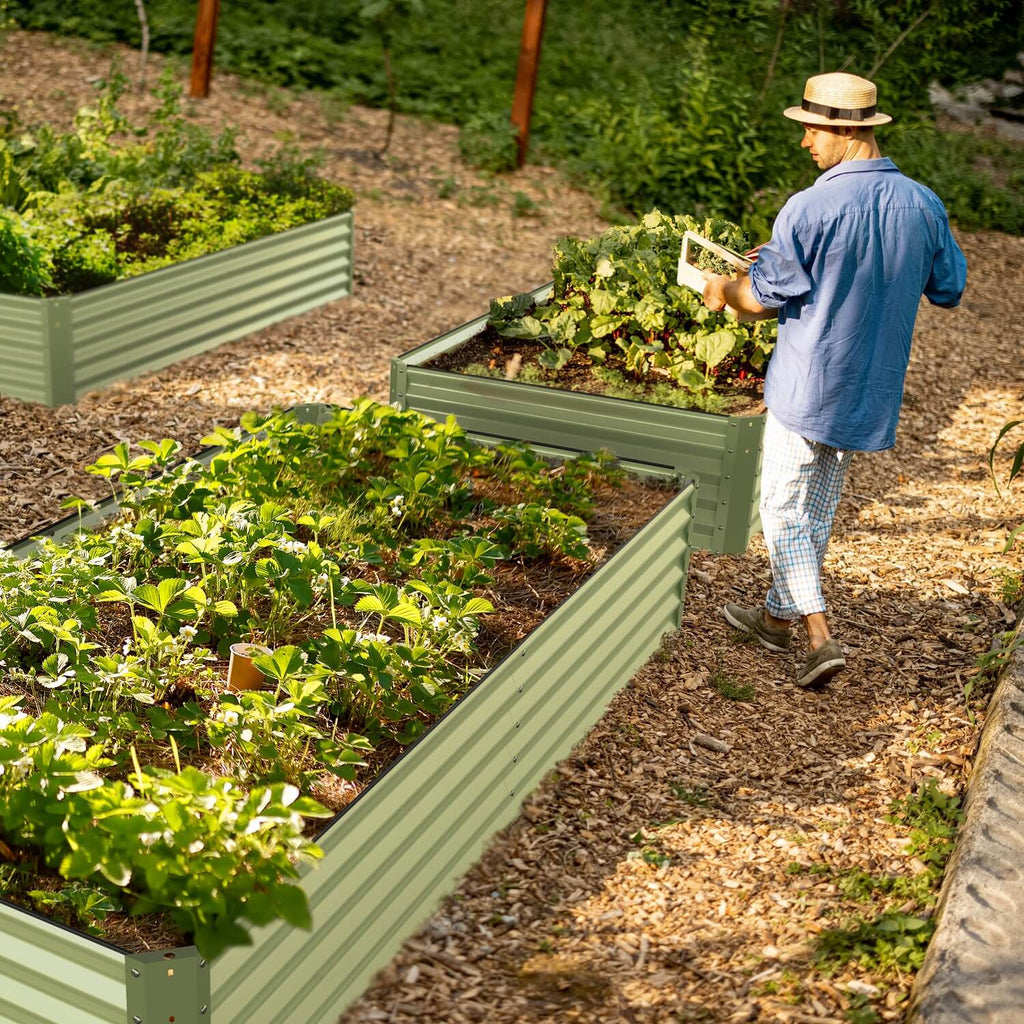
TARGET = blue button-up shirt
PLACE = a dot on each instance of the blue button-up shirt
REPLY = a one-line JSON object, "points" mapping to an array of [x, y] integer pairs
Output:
{"points": [[847, 264]]}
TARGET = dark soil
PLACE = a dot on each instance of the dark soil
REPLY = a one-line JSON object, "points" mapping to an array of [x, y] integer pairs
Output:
{"points": [[509, 357]]}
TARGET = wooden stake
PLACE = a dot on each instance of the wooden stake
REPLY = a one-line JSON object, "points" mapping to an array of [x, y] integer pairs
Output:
{"points": [[526, 74], [202, 48]]}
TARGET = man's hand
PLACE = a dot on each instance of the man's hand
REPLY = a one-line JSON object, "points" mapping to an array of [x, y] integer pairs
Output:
{"points": [[734, 294], [714, 290]]}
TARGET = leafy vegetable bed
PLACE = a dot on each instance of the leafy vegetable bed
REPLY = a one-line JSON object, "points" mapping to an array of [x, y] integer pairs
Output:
{"points": [[615, 305], [368, 553], [110, 200], [87, 216], [615, 326]]}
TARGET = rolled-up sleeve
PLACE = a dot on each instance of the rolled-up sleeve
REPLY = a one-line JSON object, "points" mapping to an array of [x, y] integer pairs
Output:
{"points": [[949, 274], [779, 274]]}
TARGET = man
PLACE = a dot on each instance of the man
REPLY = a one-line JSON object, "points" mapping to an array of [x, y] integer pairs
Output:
{"points": [[846, 266]]}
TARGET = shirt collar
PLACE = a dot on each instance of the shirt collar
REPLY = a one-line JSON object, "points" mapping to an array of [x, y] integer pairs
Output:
{"points": [[882, 163]]}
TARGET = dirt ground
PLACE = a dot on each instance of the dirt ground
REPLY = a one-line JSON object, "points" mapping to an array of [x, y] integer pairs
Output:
{"points": [[561, 921]]}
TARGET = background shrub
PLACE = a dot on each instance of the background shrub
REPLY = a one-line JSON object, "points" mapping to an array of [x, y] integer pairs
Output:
{"points": [[84, 208], [675, 104]]}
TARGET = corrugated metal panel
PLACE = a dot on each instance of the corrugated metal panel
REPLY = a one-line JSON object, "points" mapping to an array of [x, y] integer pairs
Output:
{"points": [[406, 841], [23, 368], [51, 975], [695, 444], [147, 322]]}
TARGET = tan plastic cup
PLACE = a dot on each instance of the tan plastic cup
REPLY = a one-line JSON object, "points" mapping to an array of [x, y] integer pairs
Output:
{"points": [[242, 674]]}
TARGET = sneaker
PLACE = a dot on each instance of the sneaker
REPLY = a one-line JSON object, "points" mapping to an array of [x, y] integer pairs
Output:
{"points": [[822, 664], [752, 620]]}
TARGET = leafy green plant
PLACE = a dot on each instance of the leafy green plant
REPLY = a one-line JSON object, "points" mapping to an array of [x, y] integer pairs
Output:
{"points": [[895, 941], [523, 205], [889, 944], [617, 292], [933, 818], [25, 268], [732, 689], [357, 551], [86, 208]]}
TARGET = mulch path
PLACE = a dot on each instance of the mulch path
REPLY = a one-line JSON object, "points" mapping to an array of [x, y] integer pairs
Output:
{"points": [[558, 922]]}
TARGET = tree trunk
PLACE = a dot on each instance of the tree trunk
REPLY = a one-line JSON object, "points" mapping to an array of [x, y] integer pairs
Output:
{"points": [[144, 53], [526, 74], [202, 48]]}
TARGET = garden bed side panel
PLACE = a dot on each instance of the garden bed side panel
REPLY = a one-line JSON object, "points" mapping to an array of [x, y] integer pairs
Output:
{"points": [[407, 840], [50, 974], [24, 352], [54, 350], [722, 452], [144, 323]]}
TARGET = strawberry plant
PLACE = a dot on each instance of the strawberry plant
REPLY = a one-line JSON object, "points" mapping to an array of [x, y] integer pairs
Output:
{"points": [[617, 293], [363, 553]]}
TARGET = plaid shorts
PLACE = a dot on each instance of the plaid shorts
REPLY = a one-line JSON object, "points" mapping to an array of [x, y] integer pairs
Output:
{"points": [[801, 482]]}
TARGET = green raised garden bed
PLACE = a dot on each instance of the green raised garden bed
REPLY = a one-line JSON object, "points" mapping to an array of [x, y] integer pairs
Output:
{"points": [[394, 852], [722, 453], [53, 350]]}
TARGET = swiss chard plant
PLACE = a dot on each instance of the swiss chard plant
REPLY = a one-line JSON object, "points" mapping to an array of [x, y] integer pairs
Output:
{"points": [[361, 553], [617, 293]]}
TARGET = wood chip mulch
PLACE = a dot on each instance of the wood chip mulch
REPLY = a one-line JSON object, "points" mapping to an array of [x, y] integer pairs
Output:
{"points": [[739, 848]]}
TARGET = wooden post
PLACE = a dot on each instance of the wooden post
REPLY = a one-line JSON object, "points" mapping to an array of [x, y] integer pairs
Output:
{"points": [[526, 74], [202, 48]]}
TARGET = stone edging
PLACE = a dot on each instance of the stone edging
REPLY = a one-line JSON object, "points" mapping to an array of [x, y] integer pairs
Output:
{"points": [[974, 970]]}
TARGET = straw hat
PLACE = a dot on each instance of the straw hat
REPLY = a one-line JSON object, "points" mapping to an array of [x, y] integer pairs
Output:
{"points": [[838, 99]]}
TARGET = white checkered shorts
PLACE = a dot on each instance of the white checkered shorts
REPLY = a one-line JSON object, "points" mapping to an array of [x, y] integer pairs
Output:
{"points": [[801, 482]]}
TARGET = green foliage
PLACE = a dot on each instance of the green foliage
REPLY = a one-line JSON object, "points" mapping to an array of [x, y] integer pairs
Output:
{"points": [[863, 887], [980, 179], [488, 141], [73, 903], [1012, 586], [87, 208], [356, 551], [616, 385], [894, 941], [618, 292], [732, 689], [642, 101], [933, 818], [1016, 469], [533, 531], [144, 838], [24, 267], [889, 944]]}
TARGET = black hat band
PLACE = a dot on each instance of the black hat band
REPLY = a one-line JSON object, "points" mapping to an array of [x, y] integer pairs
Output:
{"points": [[839, 113]]}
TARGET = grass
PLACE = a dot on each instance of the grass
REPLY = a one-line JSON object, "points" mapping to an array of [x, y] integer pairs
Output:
{"points": [[666, 651], [732, 689]]}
